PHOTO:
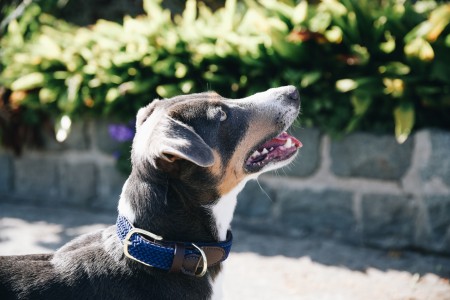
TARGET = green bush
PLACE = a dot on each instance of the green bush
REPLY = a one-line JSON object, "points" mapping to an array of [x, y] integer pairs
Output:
{"points": [[360, 65]]}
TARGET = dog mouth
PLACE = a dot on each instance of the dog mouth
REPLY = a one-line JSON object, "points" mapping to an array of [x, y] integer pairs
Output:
{"points": [[279, 148]]}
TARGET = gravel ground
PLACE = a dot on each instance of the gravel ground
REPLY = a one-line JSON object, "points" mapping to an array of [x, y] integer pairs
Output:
{"points": [[260, 267]]}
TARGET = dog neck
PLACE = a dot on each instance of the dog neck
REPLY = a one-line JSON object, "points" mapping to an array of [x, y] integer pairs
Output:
{"points": [[154, 202]]}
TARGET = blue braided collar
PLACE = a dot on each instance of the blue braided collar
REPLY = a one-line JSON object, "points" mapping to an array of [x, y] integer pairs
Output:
{"points": [[151, 250]]}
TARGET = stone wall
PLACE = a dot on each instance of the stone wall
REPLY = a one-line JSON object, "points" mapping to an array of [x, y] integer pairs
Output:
{"points": [[79, 172], [364, 189]]}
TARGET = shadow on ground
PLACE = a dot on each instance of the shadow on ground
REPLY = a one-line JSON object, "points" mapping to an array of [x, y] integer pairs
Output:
{"points": [[32, 229], [27, 229], [332, 253]]}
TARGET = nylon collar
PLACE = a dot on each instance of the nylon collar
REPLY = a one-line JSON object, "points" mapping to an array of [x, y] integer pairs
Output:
{"points": [[186, 257]]}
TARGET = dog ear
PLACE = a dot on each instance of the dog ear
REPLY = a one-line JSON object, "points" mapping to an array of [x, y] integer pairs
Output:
{"points": [[145, 112], [182, 142]]}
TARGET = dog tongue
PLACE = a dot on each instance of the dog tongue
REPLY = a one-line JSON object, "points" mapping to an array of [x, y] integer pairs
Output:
{"points": [[277, 149], [281, 140]]}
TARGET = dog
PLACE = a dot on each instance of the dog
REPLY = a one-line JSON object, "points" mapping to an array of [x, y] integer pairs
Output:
{"points": [[191, 156]]}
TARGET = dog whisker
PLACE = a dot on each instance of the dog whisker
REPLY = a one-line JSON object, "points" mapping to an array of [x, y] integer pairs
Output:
{"points": [[268, 196]]}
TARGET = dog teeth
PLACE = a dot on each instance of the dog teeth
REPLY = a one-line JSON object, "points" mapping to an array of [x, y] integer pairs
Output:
{"points": [[271, 148], [256, 154], [288, 143], [265, 151]]}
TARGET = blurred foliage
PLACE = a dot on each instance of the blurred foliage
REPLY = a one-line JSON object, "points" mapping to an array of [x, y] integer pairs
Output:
{"points": [[381, 66]]}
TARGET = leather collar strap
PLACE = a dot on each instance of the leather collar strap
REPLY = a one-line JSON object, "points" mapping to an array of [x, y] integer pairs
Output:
{"points": [[151, 250]]}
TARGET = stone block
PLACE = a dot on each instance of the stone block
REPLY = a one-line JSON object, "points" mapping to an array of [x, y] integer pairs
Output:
{"points": [[438, 210], [388, 220], [328, 212], [36, 179], [6, 173], [308, 158], [255, 201], [370, 156], [78, 184], [439, 160], [109, 187]]}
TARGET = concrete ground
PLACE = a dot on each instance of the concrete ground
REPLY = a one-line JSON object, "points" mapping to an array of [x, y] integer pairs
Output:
{"points": [[260, 267]]}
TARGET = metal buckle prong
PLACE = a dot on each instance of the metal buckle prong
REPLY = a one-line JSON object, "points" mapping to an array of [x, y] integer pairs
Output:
{"points": [[127, 242], [205, 262]]}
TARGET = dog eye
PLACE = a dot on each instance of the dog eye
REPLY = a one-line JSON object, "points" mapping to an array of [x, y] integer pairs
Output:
{"points": [[223, 116]]}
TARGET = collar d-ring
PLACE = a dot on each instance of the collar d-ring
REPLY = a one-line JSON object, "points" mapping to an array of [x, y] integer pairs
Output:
{"points": [[205, 261]]}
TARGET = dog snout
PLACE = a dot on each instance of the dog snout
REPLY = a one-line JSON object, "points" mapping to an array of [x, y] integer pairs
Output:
{"points": [[290, 94], [287, 94]]}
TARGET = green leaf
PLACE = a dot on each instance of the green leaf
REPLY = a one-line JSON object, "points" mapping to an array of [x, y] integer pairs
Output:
{"points": [[112, 95], [28, 82], [389, 45], [362, 53], [278, 7], [336, 7], [420, 48], [346, 85], [395, 68], [447, 41], [47, 95], [432, 28], [300, 13], [404, 116], [168, 90], [310, 78], [190, 12], [73, 86], [320, 22], [361, 102], [228, 16], [394, 87], [334, 35]]}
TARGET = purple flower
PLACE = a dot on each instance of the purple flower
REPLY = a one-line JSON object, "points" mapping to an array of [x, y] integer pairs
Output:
{"points": [[117, 154], [121, 132]]}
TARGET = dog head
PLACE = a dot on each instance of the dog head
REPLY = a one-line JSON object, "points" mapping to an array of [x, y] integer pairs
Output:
{"points": [[219, 140]]}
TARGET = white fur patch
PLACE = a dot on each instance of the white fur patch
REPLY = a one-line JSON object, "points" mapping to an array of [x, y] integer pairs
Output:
{"points": [[217, 285], [223, 210], [124, 207]]}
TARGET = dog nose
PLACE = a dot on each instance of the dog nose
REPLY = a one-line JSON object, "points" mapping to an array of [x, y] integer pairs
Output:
{"points": [[291, 93]]}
